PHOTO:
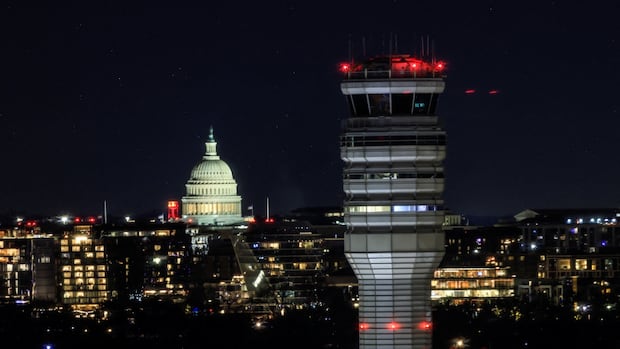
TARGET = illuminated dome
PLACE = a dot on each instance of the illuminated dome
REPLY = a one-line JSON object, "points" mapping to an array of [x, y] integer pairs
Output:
{"points": [[211, 169], [211, 191]]}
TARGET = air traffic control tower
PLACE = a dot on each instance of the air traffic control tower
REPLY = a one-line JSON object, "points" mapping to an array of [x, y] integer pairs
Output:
{"points": [[393, 148]]}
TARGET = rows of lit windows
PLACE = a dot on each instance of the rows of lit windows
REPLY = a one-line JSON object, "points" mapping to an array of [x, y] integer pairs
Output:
{"points": [[469, 273], [582, 264], [89, 287], [211, 208], [83, 294], [100, 267], [392, 104], [393, 175], [306, 244], [393, 208], [11, 267], [13, 259], [471, 293], [472, 283], [79, 274], [387, 140], [8, 252]]}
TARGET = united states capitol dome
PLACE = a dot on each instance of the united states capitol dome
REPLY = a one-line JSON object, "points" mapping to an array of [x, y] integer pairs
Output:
{"points": [[211, 190], [211, 169]]}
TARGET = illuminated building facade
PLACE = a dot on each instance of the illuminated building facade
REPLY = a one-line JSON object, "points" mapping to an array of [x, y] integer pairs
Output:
{"points": [[458, 284], [211, 191], [83, 269], [290, 254], [149, 261], [27, 271], [567, 254], [393, 147]]}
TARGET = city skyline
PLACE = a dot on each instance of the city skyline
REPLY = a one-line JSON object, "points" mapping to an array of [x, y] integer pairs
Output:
{"points": [[114, 103]]}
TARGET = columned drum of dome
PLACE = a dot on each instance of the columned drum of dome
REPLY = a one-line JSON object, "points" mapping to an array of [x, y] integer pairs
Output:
{"points": [[211, 191], [393, 148]]}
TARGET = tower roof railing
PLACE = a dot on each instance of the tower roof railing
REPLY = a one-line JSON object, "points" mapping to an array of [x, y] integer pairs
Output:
{"points": [[393, 67]]}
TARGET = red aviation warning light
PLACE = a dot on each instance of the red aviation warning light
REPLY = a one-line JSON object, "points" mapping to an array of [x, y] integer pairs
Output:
{"points": [[393, 326], [393, 67], [345, 67], [364, 326], [425, 325], [471, 91]]}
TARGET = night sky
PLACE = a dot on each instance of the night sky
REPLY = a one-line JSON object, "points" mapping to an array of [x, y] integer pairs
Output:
{"points": [[114, 101]]}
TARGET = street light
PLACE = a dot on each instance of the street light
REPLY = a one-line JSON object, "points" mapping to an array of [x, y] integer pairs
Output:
{"points": [[459, 343]]}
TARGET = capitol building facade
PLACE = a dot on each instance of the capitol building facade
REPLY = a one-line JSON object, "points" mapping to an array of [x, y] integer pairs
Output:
{"points": [[211, 191]]}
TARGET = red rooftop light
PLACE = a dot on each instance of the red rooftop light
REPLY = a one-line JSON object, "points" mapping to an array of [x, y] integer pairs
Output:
{"points": [[345, 67], [425, 325], [364, 326], [393, 326]]}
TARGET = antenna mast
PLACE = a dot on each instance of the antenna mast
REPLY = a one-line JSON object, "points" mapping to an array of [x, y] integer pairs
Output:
{"points": [[105, 212]]}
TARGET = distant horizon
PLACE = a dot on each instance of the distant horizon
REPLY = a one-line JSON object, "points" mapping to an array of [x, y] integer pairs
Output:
{"points": [[473, 219]]}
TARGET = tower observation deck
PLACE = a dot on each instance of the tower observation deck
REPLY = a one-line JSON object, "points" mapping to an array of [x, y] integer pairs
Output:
{"points": [[393, 149]]}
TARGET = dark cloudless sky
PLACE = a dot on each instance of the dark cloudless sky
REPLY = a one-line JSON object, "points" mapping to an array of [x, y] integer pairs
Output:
{"points": [[113, 100]]}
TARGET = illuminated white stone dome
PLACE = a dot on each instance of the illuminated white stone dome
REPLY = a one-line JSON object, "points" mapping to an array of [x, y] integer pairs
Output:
{"points": [[211, 191], [208, 170]]}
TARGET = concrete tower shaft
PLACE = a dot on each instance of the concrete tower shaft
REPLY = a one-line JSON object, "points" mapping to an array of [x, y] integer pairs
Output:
{"points": [[393, 150]]}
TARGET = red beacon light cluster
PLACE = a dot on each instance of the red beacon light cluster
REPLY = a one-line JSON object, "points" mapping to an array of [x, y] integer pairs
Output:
{"points": [[84, 220], [364, 326], [398, 65]]}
